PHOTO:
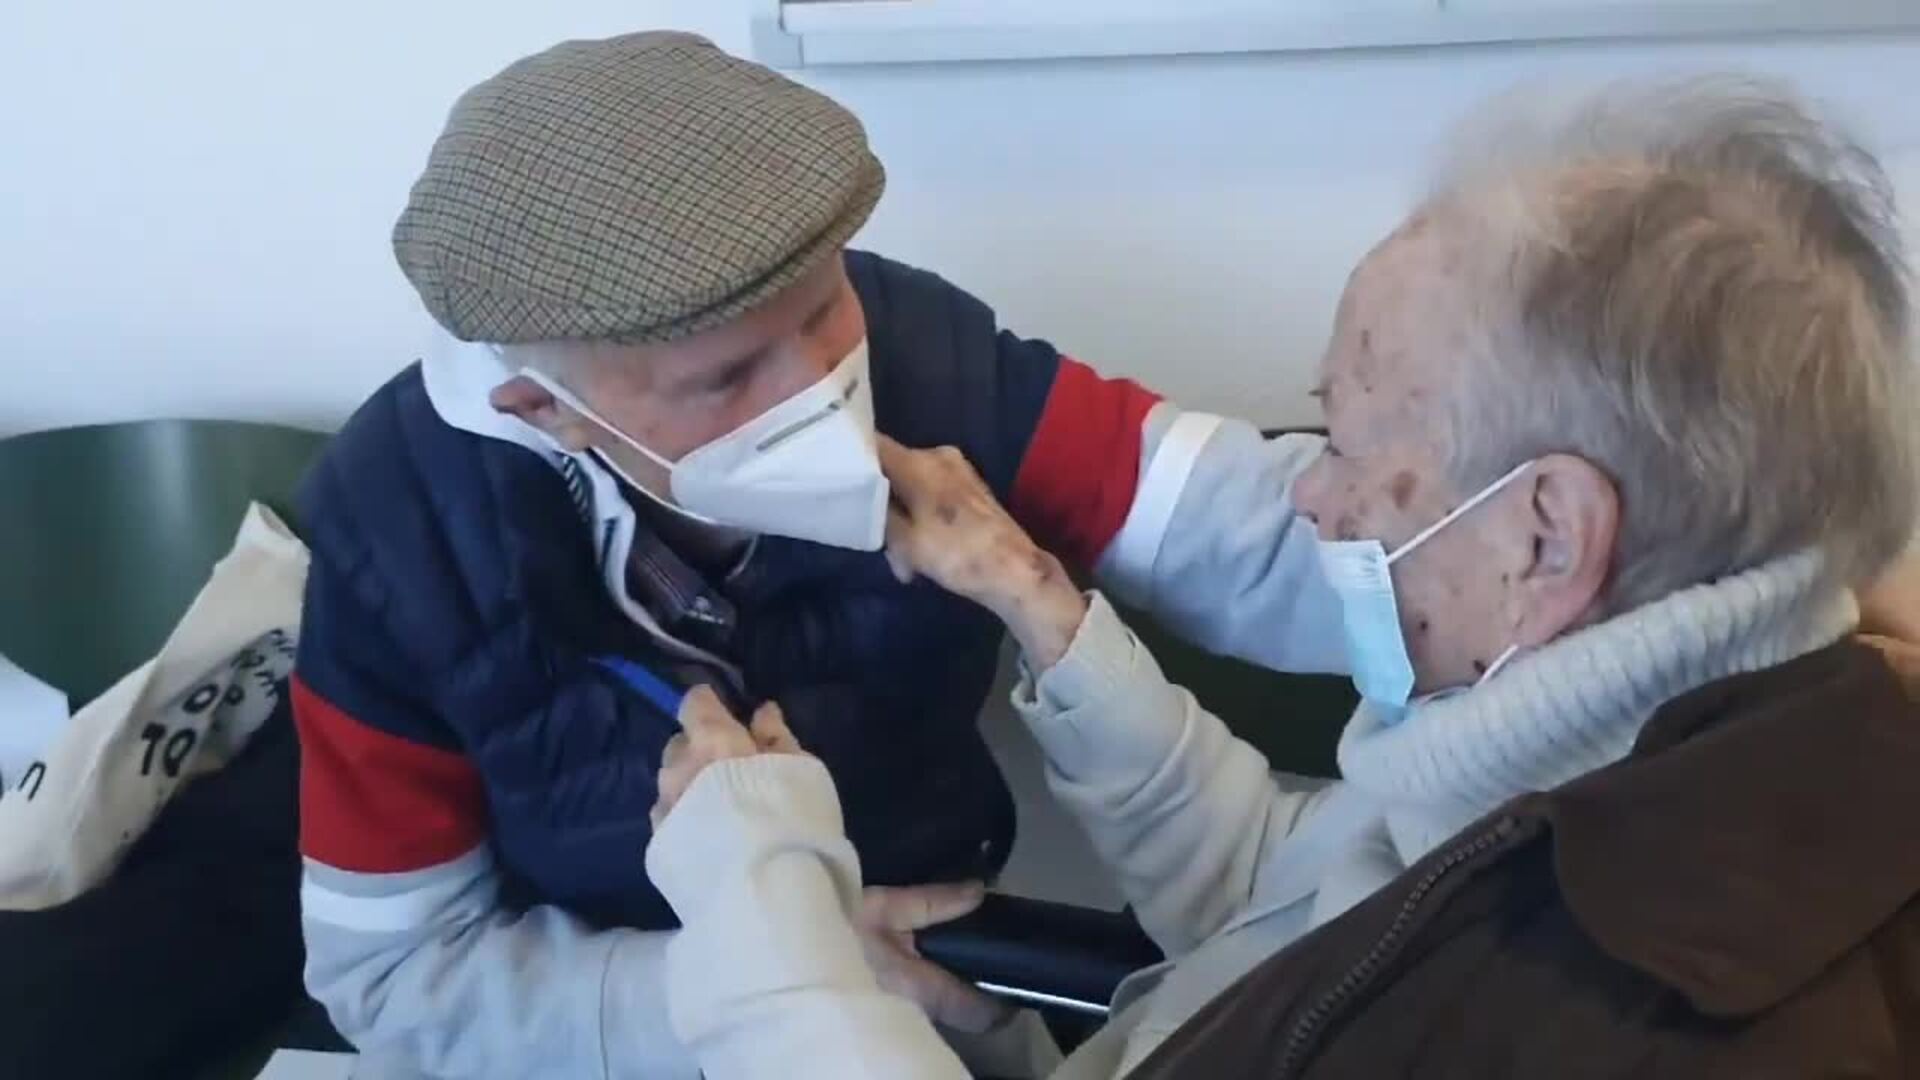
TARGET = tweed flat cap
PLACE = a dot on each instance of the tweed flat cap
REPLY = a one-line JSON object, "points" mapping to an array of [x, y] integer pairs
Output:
{"points": [[637, 189]]}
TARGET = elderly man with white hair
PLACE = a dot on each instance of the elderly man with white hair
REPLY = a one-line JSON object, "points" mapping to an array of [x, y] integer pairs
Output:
{"points": [[1617, 423]]}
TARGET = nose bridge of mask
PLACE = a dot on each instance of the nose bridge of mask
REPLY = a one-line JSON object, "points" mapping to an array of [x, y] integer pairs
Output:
{"points": [[573, 401], [807, 468], [1458, 512]]}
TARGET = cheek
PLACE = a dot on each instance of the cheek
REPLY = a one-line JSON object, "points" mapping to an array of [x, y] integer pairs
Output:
{"points": [[1370, 509], [1350, 524], [676, 428], [1402, 489], [1334, 494], [822, 348], [844, 328], [1448, 603], [790, 370], [1310, 490]]}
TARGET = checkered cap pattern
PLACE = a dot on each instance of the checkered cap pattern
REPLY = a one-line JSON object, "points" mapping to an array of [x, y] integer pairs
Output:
{"points": [[637, 189]]}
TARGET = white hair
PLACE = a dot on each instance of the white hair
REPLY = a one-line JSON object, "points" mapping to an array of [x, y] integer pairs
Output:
{"points": [[1699, 288]]}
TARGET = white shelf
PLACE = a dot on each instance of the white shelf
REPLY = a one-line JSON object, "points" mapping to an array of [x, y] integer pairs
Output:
{"points": [[814, 33]]}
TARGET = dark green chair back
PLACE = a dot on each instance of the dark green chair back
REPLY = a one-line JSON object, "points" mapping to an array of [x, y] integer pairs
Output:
{"points": [[108, 532]]}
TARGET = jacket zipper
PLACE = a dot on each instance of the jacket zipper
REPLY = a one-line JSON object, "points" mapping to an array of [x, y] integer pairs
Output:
{"points": [[1307, 1030]]}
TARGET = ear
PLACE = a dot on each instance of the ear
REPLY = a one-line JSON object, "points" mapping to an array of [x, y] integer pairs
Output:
{"points": [[528, 400], [1573, 515]]}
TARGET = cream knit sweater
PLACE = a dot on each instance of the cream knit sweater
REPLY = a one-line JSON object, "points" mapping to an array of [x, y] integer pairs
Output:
{"points": [[1224, 861]]}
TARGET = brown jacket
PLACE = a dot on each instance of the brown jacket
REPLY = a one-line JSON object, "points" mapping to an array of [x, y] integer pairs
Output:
{"points": [[1740, 897]]}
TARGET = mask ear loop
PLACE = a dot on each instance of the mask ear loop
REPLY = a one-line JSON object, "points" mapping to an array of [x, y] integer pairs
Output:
{"points": [[1459, 512], [1498, 662], [572, 401]]}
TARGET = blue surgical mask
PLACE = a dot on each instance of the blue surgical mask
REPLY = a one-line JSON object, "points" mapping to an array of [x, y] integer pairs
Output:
{"points": [[1361, 573]]}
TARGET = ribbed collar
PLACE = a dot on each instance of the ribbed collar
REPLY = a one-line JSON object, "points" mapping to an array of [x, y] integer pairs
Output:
{"points": [[1578, 704]]}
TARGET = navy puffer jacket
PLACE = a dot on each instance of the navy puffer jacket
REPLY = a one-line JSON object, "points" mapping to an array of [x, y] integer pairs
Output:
{"points": [[446, 689]]}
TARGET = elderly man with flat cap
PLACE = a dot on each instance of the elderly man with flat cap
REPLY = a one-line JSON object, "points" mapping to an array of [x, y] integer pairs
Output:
{"points": [[640, 468]]}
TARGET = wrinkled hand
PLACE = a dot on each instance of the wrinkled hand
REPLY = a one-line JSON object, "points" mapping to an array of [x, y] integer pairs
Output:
{"points": [[886, 923], [709, 733], [946, 525]]}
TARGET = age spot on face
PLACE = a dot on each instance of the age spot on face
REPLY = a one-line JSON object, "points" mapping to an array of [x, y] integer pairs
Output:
{"points": [[1402, 488]]}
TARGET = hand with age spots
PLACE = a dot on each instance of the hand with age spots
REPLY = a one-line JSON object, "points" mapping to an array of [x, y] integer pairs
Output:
{"points": [[945, 525]]}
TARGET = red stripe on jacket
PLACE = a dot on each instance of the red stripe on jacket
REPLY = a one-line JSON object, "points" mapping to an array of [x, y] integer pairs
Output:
{"points": [[1077, 481], [373, 803]]}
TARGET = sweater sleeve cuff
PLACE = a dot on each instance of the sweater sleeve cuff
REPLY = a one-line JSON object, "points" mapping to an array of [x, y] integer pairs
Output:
{"points": [[1096, 666], [736, 812], [1105, 709]]}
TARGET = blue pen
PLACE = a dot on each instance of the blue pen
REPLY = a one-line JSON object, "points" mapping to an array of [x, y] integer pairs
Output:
{"points": [[648, 685]]}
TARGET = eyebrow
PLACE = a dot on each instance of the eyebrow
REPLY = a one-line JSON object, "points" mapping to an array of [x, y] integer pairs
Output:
{"points": [[814, 316], [737, 369]]}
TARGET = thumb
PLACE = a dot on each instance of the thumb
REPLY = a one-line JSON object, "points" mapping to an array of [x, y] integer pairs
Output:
{"points": [[917, 907], [702, 711], [770, 731]]}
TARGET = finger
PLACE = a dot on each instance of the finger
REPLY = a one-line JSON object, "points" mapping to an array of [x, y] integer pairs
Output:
{"points": [[912, 473], [945, 997], [900, 544], [917, 907], [669, 798], [770, 731], [902, 569], [710, 726], [675, 753], [950, 458], [900, 463], [672, 786]]}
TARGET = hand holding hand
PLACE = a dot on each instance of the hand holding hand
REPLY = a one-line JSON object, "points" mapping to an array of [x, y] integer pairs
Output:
{"points": [[886, 923], [888, 917], [709, 733]]}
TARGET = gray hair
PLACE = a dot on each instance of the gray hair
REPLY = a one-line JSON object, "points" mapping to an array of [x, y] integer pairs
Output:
{"points": [[1702, 291]]}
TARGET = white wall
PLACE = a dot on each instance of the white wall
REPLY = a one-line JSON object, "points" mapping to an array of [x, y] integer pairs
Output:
{"points": [[195, 197]]}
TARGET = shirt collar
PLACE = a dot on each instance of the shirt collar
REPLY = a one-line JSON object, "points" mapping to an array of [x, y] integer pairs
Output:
{"points": [[460, 376]]}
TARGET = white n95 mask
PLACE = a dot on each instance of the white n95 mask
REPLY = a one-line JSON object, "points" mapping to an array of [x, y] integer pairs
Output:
{"points": [[1361, 573], [808, 468]]}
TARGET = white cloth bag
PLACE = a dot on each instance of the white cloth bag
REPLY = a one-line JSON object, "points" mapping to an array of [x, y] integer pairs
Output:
{"points": [[108, 772]]}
